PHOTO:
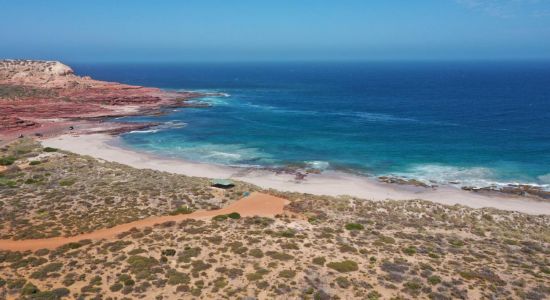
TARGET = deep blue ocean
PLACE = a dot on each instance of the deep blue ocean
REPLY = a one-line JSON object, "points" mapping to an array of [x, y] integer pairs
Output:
{"points": [[474, 122]]}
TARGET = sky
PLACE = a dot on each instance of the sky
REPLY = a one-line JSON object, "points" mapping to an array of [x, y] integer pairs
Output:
{"points": [[261, 30]]}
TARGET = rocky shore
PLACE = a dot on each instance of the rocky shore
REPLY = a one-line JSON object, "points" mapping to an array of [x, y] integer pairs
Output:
{"points": [[47, 97]]}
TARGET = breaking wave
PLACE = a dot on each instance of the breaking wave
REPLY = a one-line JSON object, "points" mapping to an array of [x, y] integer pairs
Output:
{"points": [[463, 176]]}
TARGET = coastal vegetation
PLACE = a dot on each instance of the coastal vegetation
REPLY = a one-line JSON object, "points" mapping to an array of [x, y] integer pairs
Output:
{"points": [[320, 248]]}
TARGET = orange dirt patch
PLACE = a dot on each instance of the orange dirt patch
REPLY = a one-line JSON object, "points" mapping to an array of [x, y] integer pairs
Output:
{"points": [[257, 204]]}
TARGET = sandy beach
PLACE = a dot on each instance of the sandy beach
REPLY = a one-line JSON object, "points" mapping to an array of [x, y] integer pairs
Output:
{"points": [[110, 148]]}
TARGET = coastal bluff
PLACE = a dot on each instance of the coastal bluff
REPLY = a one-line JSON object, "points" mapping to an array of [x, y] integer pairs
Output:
{"points": [[35, 72], [40, 97]]}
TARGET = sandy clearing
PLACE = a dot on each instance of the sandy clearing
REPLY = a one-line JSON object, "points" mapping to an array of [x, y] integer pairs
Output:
{"points": [[256, 204]]}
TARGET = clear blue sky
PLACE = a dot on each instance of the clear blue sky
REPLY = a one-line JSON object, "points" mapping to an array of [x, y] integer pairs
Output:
{"points": [[207, 30]]}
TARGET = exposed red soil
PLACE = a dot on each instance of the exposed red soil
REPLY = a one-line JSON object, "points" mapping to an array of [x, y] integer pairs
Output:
{"points": [[257, 204], [36, 95]]}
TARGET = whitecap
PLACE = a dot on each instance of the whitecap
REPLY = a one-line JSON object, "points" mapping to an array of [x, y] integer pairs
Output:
{"points": [[544, 179], [144, 131], [445, 174], [318, 164]]}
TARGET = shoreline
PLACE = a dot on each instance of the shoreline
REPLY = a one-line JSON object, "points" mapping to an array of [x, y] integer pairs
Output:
{"points": [[330, 183]]}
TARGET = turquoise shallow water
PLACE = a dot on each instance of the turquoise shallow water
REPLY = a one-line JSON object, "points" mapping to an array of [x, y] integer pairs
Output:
{"points": [[477, 123]]}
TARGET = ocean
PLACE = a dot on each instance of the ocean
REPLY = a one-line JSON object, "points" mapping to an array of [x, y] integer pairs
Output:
{"points": [[464, 123]]}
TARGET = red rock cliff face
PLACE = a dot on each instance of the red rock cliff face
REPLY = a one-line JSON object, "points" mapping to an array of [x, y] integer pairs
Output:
{"points": [[33, 93]]}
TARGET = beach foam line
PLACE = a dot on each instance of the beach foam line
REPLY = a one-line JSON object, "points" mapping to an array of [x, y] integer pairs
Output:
{"points": [[329, 183], [256, 204]]}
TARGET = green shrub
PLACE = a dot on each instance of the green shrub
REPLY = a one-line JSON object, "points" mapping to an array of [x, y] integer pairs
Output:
{"points": [[187, 253], [174, 277], [289, 233], [219, 283], [136, 251], [373, 295], [344, 266], [16, 283], [7, 182], [413, 287], [287, 274], [6, 161], [115, 287], [126, 279], [169, 252], [45, 271], [234, 215], [256, 253], [35, 162], [182, 210], [50, 149], [29, 289], [342, 282], [279, 255], [319, 261], [354, 226], [141, 263], [456, 242], [386, 239], [67, 181], [96, 280], [199, 265], [411, 250], [220, 218], [434, 279]]}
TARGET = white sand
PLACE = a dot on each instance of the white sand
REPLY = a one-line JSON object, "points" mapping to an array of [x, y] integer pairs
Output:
{"points": [[329, 183]]}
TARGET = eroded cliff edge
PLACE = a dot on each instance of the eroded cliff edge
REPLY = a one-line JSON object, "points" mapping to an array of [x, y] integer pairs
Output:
{"points": [[41, 97]]}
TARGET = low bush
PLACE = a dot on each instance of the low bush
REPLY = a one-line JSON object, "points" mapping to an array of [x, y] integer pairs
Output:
{"points": [[220, 218], [343, 282], [287, 274], [411, 250], [434, 279], [45, 271], [319, 261], [6, 161], [182, 210], [354, 226], [234, 215], [344, 266]]}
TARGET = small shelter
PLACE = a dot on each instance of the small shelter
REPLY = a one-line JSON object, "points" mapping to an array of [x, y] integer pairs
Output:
{"points": [[223, 183]]}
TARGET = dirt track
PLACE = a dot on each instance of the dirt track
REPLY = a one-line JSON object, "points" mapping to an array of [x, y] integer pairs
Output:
{"points": [[257, 204]]}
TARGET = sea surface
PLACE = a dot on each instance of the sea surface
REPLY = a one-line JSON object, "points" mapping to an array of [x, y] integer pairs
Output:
{"points": [[466, 123]]}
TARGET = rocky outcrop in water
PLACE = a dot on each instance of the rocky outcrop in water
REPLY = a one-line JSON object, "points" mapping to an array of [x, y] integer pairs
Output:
{"points": [[524, 190]]}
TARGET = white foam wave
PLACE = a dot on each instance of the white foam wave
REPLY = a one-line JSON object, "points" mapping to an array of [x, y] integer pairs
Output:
{"points": [[375, 117], [213, 100], [365, 116], [144, 131], [225, 154], [318, 165], [443, 174], [544, 179], [163, 126], [170, 125], [462, 176]]}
